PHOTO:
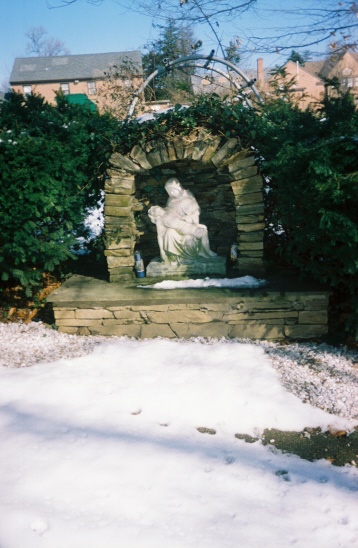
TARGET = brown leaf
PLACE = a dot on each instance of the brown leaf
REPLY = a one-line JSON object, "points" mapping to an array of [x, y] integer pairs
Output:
{"points": [[336, 433]]}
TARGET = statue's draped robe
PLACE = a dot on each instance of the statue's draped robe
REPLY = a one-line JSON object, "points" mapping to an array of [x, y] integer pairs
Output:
{"points": [[179, 240]]}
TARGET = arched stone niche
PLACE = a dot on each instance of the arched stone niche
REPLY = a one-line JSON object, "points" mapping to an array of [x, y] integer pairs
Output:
{"points": [[222, 176]]}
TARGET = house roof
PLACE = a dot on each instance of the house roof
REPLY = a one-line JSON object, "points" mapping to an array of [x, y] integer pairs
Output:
{"points": [[330, 64], [311, 70], [328, 69], [313, 67], [70, 67]]}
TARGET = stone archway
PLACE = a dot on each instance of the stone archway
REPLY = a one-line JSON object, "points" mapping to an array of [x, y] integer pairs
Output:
{"points": [[136, 181]]}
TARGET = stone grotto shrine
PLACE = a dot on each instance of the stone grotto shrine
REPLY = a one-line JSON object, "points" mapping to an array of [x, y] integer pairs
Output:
{"points": [[226, 183], [224, 180]]}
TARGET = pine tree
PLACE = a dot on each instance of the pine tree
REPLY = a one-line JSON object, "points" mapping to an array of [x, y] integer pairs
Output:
{"points": [[174, 41]]}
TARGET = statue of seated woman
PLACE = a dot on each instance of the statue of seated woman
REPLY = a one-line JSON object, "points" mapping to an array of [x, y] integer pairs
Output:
{"points": [[180, 240], [182, 201]]}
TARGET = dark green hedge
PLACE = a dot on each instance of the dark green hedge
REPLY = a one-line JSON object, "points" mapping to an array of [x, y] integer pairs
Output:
{"points": [[51, 160], [311, 159]]}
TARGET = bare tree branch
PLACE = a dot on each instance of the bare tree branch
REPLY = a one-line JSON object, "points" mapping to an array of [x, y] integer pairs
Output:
{"points": [[188, 11], [185, 12], [41, 46], [334, 22]]}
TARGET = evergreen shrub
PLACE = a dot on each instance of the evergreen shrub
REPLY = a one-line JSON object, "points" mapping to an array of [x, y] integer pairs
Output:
{"points": [[51, 163], [310, 158]]}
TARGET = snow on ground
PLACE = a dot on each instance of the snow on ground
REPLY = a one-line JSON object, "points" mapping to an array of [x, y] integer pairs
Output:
{"points": [[102, 450]]}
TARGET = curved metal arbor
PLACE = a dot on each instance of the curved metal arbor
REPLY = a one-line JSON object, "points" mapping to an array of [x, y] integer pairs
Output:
{"points": [[190, 61]]}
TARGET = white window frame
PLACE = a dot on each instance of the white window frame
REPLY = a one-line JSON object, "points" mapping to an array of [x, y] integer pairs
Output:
{"points": [[91, 87], [27, 89], [65, 88]]}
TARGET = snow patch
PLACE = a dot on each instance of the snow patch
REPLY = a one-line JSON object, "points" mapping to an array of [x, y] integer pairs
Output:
{"points": [[105, 447], [244, 282]]}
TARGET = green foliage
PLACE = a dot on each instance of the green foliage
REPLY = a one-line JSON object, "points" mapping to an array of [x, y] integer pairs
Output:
{"points": [[219, 117], [296, 57], [311, 159], [174, 41], [232, 51], [281, 85], [51, 165]]}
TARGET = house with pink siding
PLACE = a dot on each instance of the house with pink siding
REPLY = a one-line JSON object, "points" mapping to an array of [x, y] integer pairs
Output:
{"points": [[312, 80], [73, 74]]}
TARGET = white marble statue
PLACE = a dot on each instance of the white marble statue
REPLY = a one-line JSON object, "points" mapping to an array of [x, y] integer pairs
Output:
{"points": [[181, 237], [182, 201]]}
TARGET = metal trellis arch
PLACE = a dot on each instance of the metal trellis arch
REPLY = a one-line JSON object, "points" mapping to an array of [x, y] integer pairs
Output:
{"points": [[191, 61]]}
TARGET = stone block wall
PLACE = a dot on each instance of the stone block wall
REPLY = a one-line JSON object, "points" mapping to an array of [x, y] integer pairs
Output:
{"points": [[249, 206], [265, 315], [120, 204], [224, 180]]}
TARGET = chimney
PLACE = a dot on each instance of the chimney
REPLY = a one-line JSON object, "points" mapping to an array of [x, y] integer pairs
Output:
{"points": [[260, 72]]}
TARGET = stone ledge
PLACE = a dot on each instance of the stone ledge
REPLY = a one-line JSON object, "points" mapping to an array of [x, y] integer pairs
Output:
{"points": [[151, 331], [307, 317], [183, 316], [119, 330], [215, 330], [261, 315], [305, 331], [93, 314], [86, 306], [257, 330], [275, 329]]}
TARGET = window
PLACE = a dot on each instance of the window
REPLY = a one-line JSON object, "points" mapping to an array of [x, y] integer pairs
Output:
{"points": [[65, 88], [348, 82], [91, 88], [27, 90]]}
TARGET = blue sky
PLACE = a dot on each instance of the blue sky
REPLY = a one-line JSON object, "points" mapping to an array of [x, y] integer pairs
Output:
{"points": [[87, 28], [83, 28]]}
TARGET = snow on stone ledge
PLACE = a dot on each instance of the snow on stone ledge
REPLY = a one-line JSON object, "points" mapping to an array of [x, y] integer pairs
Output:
{"points": [[243, 282]]}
